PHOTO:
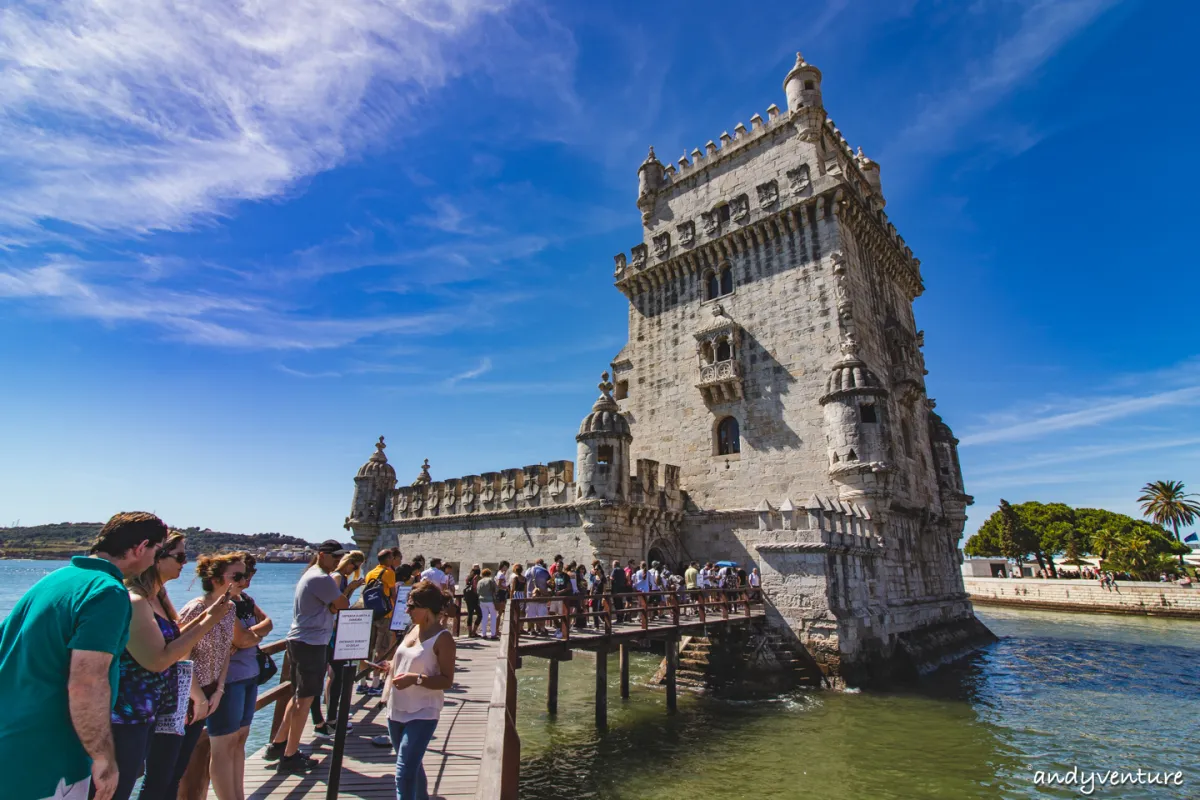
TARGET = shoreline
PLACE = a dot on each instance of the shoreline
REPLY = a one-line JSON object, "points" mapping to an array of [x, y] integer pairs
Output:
{"points": [[1085, 609], [1132, 598]]}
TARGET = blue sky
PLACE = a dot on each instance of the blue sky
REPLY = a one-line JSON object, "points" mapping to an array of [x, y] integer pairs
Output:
{"points": [[237, 244]]}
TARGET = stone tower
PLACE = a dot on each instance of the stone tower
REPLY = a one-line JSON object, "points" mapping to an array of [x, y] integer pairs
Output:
{"points": [[768, 408]]}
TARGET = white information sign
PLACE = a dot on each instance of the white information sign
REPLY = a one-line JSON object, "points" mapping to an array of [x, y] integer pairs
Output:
{"points": [[400, 618], [353, 640]]}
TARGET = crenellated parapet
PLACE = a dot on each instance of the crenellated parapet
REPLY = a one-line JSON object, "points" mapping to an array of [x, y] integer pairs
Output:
{"points": [[534, 486]]}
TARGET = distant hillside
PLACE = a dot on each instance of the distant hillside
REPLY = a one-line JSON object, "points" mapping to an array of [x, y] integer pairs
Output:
{"points": [[67, 539]]}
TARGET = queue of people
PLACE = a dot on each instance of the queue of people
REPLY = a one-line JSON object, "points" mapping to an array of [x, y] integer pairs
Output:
{"points": [[105, 683]]}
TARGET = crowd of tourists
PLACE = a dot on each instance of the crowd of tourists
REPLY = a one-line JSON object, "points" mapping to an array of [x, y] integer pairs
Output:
{"points": [[105, 682]]}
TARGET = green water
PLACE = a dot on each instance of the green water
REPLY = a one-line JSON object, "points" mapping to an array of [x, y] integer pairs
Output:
{"points": [[1058, 690]]}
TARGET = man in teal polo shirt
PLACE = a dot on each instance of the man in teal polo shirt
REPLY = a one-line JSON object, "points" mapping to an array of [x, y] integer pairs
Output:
{"points": [[59, 652]]}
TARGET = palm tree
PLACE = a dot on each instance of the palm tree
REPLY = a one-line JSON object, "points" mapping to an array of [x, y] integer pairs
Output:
{"points": [[1166, 503]]}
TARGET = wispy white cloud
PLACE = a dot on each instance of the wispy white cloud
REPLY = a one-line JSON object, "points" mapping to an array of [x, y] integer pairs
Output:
{"points": [[221, 320], [484, 367], [1045, 27], [145, 115], [1090, 453], [1089, 412]]}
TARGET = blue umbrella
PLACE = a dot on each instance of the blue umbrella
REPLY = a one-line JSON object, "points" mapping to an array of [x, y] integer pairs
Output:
{"points": [[727, 564]]}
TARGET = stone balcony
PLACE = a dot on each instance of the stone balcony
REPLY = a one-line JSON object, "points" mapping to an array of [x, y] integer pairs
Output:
{"points": [[721, 382]]}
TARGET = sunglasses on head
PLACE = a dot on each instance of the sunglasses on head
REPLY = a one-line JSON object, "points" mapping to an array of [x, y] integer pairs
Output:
{"points": [[180, 557]]}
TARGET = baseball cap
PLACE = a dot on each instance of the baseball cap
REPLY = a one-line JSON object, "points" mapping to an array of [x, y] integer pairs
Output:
{"points": [[331, 547]]}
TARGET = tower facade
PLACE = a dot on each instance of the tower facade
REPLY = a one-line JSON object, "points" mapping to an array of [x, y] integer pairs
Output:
{"points": [[769, 408]]}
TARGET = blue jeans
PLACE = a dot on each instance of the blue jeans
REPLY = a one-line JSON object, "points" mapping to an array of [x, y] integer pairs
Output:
{"points": [[411, 739]]}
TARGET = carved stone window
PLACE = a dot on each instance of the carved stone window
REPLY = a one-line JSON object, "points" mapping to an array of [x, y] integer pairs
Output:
{"points": [[724, 350], [729, 440], [867, 413], [726, 280], [722, 211], [604, 457], [622, 390], [717, 350], [906, 437], [712, 285]]}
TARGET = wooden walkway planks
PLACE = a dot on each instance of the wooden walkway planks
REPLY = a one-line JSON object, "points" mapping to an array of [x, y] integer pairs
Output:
{"points": [[453, 760], [451, 763]]}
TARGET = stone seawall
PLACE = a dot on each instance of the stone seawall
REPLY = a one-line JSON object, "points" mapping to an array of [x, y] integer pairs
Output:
{"points": [[1156, 599]]}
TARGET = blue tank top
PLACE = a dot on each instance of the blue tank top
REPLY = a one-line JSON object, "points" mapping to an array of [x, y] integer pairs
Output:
{"points": [[142, 694]]}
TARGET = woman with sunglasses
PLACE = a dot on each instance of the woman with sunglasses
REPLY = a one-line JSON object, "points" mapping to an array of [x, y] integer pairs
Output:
{"points": [[421, 671], [148, 685], [236, 711], [221, 575]]}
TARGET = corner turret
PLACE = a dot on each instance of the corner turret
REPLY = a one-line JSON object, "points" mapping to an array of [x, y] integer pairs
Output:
{"points": [[949, 472], [373, 487], [803, 86], [870, 171], [602, 451], [856, 430], [652, 176]]}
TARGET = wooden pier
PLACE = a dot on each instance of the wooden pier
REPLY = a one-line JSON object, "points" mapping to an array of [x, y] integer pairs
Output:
{"points": [[475, 752]]}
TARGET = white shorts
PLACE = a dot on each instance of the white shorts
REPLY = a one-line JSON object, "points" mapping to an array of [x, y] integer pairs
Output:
{"points": [[74, 791]]}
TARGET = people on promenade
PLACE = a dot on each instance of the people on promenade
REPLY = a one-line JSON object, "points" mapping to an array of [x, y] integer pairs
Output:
{"points": [[537, 585], [317, 600], [486, 589], [435, 574], [502, 575], [350, 565], [471, 598], [148, 696], [619, 583], [60, 651], [420, 672], [243, 679], [221, 577], [381, 579]]}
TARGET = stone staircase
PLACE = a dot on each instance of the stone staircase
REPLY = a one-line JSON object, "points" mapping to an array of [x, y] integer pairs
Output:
{"points": [[692, 674], [765, 661]]}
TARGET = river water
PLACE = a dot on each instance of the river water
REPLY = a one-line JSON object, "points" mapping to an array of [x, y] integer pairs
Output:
{"points": [[1058, 691]]}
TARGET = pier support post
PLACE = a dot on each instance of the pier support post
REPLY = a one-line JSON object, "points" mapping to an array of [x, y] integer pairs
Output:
{"points": [[624, 671], [552, 687], [672, 666], [602, 688]]}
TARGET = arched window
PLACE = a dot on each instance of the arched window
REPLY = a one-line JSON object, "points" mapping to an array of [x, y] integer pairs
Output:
{"points": [[724, 351], [726, 280], [706, 353], [712, 286], [728, 437], [906, 436]]}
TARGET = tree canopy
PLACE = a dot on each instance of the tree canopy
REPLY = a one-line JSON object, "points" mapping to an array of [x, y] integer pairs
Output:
{"points": [[1043, 532]]}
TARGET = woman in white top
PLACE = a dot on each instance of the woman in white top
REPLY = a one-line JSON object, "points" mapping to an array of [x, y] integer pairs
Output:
{"points": [[421, 670]]}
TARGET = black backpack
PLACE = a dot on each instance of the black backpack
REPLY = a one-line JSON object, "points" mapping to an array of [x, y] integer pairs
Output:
{"points": [[374, 598]]}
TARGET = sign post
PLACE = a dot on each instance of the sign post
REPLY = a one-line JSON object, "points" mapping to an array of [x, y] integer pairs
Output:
{"points": [[351, 645]]}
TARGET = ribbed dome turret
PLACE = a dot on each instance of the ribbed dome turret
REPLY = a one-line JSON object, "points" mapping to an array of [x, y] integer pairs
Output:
{"points": [[606, 418], [939, 431], [377, 465], [851, 375]]}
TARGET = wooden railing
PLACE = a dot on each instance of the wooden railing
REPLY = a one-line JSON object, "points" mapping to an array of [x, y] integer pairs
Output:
{"points": [[499, 769], [708, 604]]}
